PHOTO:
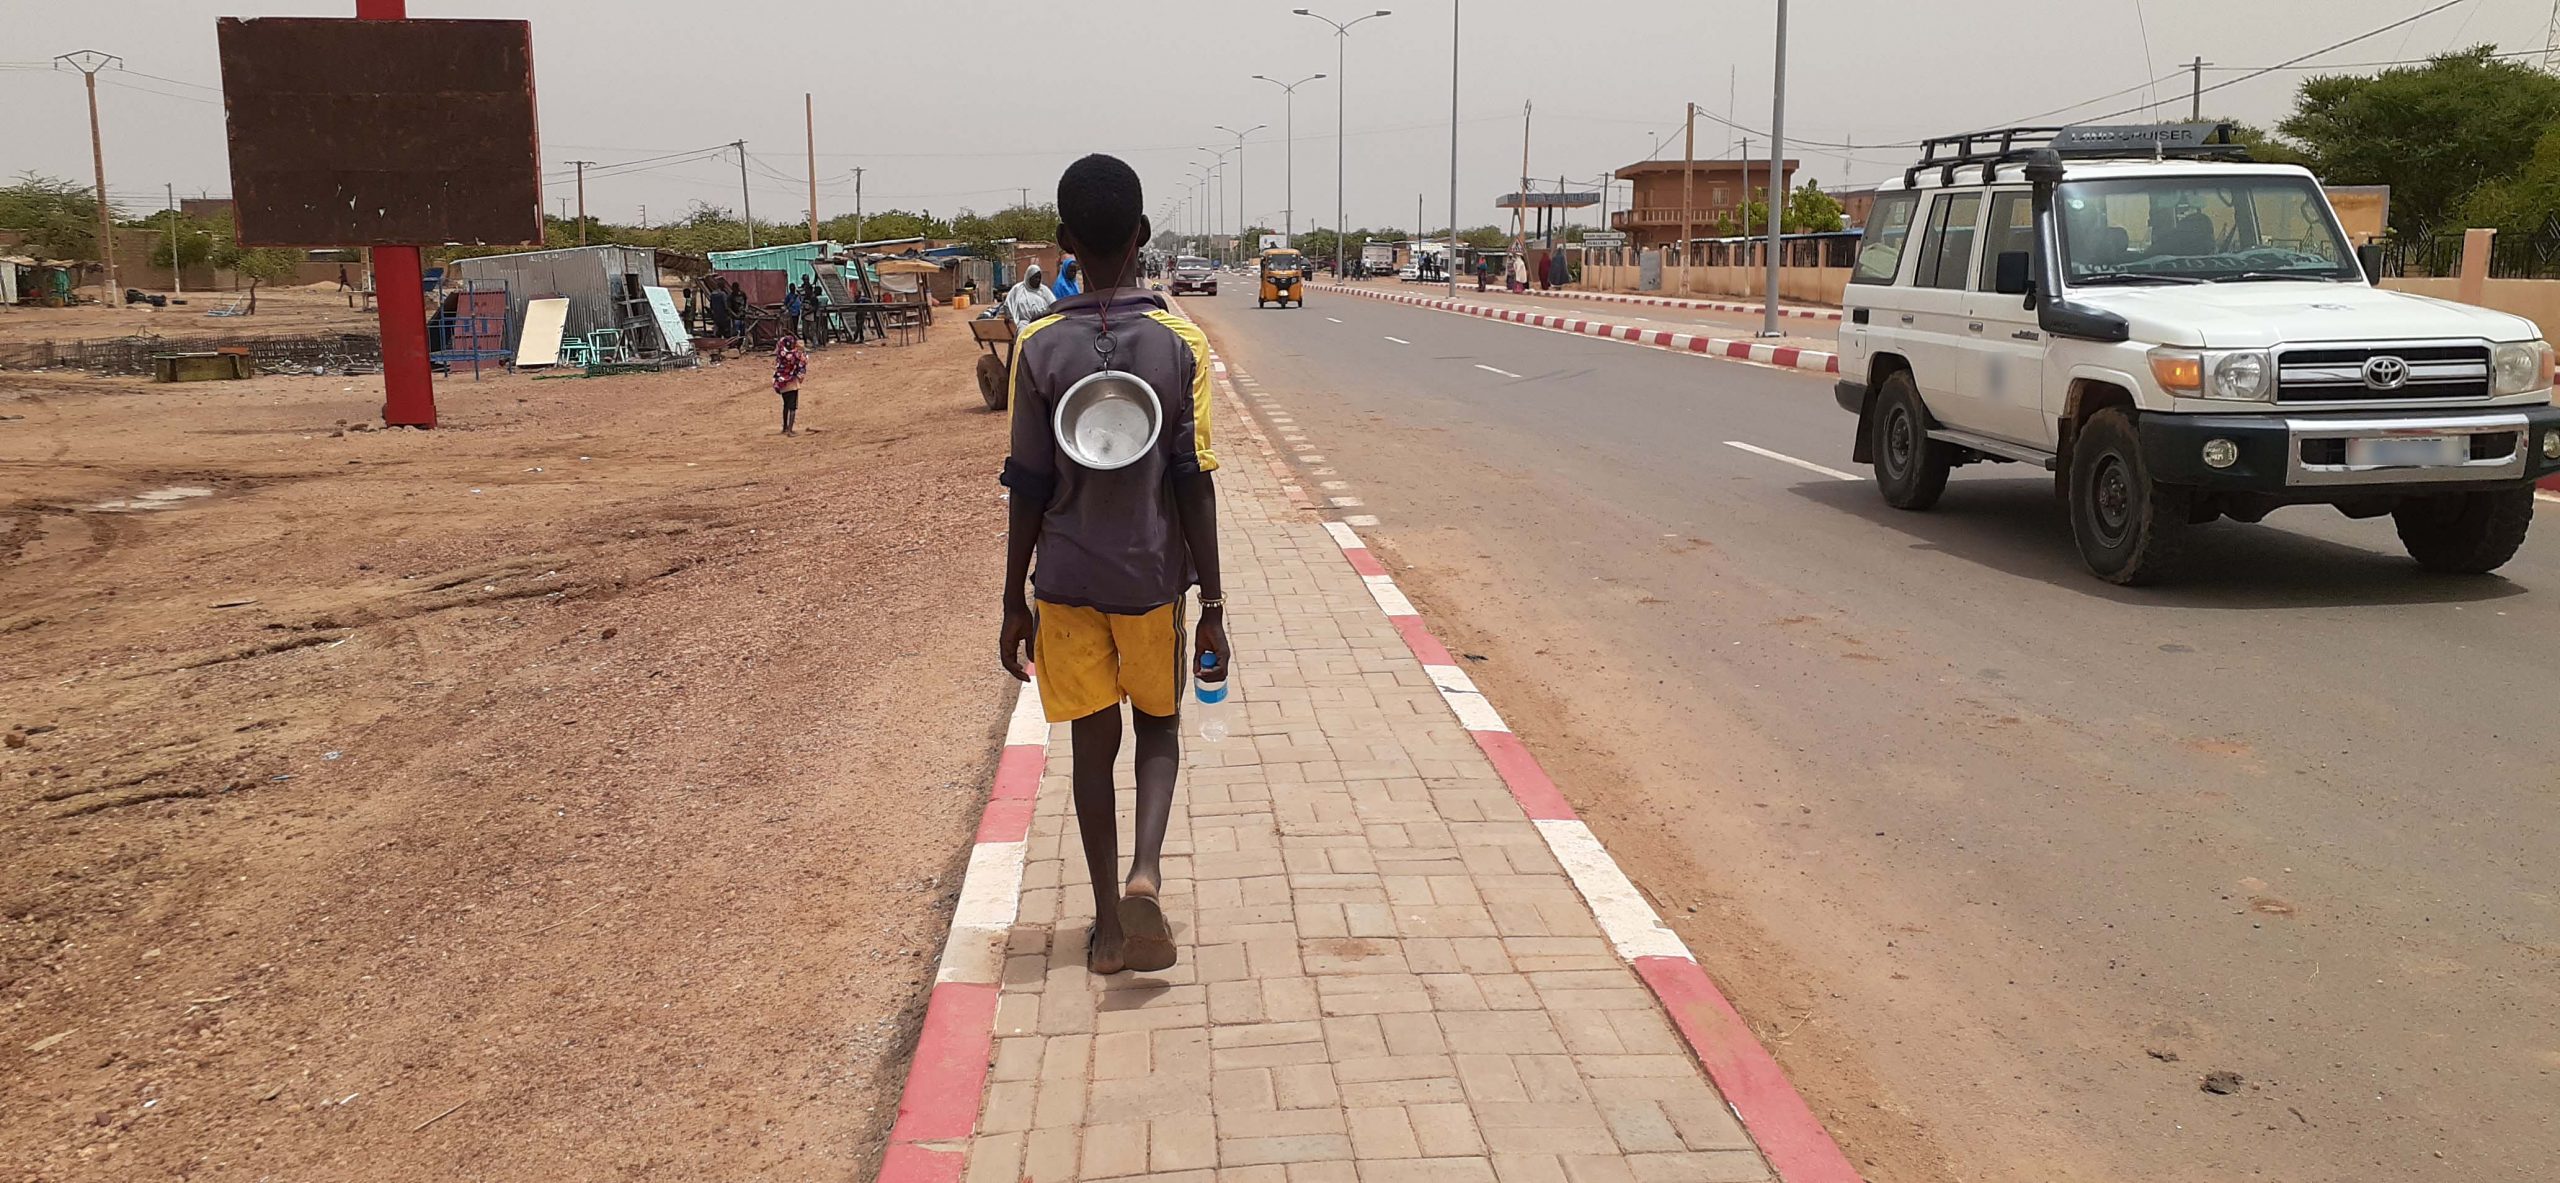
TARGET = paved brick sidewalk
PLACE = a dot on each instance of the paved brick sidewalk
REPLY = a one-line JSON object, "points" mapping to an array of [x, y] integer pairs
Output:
{"points": [[1386, 973]]}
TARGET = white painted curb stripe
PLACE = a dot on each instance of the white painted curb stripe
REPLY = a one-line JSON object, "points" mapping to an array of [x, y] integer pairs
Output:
{"points": [[990, 899], [1382, 588], [1343, 537], [1622, 911], [1028, 725], [1473, 709]]}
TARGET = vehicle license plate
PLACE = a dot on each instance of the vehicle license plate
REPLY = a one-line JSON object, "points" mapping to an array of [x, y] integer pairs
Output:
{"points": [[2423, 452]]}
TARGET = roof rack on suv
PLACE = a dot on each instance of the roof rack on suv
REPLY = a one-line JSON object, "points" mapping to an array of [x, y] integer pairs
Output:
{"points": [[1993, 148]]}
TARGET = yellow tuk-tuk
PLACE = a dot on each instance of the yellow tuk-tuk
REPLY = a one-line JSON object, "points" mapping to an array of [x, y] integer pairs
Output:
{"points": [[1284, 279]]}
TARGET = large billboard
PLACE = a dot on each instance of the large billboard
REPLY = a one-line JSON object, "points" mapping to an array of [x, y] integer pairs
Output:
{"points": [[382, 133]]}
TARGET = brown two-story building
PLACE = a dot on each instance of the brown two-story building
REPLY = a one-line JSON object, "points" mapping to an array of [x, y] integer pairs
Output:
{"points": [[1717, 188]]}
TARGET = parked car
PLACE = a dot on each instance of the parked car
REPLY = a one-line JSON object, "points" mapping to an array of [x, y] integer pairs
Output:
{"points": [[2178, 335]]}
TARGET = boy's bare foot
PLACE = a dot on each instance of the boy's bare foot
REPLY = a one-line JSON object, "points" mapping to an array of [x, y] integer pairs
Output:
{"points": [[1148, 946], [1142, 882], [1102, 951]]}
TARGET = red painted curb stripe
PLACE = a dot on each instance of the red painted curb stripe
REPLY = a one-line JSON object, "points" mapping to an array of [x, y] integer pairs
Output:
{"points": [[1530, 786], [1018, 772], [949, 1074], [1789, 1135], [2550, 482], [1364, 562], [917, 1164], [1004, 821], [1417, 637]]}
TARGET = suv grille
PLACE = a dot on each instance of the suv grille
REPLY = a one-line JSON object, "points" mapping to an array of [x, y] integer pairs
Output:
{"points": [[2337, 373]]}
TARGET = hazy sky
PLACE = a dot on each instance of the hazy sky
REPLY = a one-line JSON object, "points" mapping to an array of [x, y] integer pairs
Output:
{"points": [[951, 105]]}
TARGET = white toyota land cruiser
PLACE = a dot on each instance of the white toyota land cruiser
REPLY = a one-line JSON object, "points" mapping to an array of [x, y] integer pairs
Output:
{"points": [[2178, 335]]}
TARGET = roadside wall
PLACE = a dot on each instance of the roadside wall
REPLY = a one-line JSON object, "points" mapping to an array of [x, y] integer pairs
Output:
{"points": [[1796, 285], [2537, 300]]}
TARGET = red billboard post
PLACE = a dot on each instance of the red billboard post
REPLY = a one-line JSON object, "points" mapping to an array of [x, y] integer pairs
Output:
{"points": [[433, 141], [400, 300]]}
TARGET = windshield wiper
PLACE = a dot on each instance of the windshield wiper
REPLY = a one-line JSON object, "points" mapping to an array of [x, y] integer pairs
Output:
{"points": [[2115, 277], [2260, 276]]}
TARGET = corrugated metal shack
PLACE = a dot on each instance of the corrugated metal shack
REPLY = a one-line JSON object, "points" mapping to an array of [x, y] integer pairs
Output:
{"points": [[602, 284]]}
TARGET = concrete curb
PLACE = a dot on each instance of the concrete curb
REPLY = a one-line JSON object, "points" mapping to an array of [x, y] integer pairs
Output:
{"points": [[947, 1078], [1784, 356], [1695, 305]]}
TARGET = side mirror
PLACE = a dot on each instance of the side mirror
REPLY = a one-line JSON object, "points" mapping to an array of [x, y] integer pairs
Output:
{"points": [[2369, 260], [2013, 273]]}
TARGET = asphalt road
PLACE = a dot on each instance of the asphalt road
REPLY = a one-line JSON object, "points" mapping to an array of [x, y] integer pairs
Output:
{"points": [[2000, 859]]}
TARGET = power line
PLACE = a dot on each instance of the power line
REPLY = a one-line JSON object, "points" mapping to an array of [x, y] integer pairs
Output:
{"points": [[2265, 70]]}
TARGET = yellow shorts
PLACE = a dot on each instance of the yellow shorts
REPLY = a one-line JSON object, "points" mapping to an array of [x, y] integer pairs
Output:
{"points": [[1090, 659]]}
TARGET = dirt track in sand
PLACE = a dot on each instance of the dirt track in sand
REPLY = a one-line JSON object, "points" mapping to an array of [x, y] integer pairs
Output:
{"points": [[573, 792]]}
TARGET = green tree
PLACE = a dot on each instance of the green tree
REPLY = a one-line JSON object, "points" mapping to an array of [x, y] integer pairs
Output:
{"points": [[2434, 133], [1485, 237], [195, 241], [2525, 202], [59, 219], [1811, 211], [257, 264]]}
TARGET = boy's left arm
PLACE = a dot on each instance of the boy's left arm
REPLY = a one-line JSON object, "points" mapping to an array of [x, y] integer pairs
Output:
{"points": [[1195, 497]]}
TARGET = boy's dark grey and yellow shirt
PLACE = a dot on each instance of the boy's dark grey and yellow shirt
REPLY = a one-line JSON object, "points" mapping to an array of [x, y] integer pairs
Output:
{"points": [[1112, 539]]}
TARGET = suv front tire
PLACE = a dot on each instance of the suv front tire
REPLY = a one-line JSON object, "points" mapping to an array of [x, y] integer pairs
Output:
{"points": [[2465, 533], [2129, 527], [1911, 468]]}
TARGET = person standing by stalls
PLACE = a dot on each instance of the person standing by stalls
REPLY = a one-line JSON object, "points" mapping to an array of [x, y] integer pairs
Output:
{"points": [[790, 367], [724, 319], [1029, 300], [791, 309]]}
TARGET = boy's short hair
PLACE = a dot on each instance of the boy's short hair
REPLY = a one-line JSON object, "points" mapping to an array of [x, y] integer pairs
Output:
{"points": [[1099, 202]]}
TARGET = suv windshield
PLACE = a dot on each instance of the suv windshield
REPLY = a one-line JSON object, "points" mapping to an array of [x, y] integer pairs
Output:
{"points": [[2200, 228]]}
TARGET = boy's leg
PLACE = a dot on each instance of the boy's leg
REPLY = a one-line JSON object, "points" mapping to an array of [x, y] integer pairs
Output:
{"points": [[1097, 744], [1159, 759]]}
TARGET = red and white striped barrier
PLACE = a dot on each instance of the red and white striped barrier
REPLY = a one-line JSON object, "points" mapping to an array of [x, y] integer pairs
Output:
{"points": [[1779, 1121], [1788, 356], [1695, 305], [947, 1080]]}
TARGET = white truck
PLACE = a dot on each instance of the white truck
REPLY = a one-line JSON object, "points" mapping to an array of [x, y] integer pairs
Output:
{"points": [[2178, 334], [1378, 258]]}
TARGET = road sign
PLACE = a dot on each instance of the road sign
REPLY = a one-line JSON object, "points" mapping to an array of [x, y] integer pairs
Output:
{"points": [[1604, 239]]}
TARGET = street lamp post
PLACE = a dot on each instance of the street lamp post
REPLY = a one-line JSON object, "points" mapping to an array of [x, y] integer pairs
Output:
{"points": [[1240, 191], [1289, 137], [1341, 42], [1219, 170], [1777, 176]]}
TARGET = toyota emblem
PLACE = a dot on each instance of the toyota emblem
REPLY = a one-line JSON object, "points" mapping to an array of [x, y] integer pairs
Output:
{"points": [[2385, 372]]}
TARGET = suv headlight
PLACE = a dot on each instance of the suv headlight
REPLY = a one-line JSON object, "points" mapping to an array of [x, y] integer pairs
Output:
{"points": [[2238, 375], [2520, 367]]}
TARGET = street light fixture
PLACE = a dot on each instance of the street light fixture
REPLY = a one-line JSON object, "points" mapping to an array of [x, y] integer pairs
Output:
{"points": [[1240, 194], [1341, 40], [1289, 134]]}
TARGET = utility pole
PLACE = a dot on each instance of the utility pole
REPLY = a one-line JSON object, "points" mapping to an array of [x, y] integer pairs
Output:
{"points": [[857, 205], [1452, 268], [809, 120], [746, 203], [644, 215], [1777, 175], [582, 199], [1289, 139], [1520, 200], [2195, 100], [1689, 192], [177, 264], [89, 62]]}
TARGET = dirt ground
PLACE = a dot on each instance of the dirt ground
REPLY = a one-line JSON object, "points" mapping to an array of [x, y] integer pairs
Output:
{"points": [[282, 311], [576, 791]]}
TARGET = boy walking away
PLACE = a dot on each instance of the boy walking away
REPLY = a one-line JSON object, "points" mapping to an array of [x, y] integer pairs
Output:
{"points": [[1118, 549], [790, 365]]}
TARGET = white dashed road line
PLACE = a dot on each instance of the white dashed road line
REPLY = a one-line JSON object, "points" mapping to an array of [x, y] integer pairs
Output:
{"points": [[1490, 370], [1783, 458], [1334, 319], [1400, 341]]}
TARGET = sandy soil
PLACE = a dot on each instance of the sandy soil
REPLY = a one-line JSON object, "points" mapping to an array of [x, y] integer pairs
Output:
{"points": [[573, 792], [282, 311]]}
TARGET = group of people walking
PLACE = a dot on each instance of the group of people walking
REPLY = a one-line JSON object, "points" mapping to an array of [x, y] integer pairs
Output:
{"points": [[730, 313]]}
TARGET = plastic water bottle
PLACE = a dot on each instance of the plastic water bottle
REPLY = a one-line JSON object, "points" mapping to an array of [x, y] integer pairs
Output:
{"points": [[1213, 699]]}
